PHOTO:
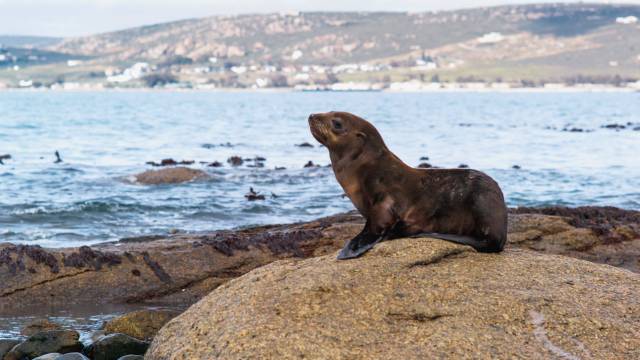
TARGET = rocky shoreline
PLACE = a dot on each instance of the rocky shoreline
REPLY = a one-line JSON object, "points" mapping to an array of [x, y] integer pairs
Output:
{"points": [[178, 270]]}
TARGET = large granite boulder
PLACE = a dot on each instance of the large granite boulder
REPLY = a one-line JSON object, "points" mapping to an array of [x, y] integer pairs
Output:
{"points": [[174, 175], [415, 299]]}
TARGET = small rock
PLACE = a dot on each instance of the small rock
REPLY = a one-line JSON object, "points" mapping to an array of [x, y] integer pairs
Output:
{"points": [[72, 356], [280, 168], [424, 158], [60, 341], [252, 195], [58, 158], [168, 162], [37, 326], [51, 356], [517, 167], [187, 162], [114, 346], [304, 144], [256, 165], [4, 157], [211, 146], [274, 196], [143, 324], [6, 345], [259, 158], [235, 161], [310, 164], [425, 166], [463, 166], [174, 175], [614, 126], [132, 357], [215, 164]]}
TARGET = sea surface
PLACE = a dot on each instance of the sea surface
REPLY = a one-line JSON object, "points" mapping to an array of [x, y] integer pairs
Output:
{"points": [[106, 137]]}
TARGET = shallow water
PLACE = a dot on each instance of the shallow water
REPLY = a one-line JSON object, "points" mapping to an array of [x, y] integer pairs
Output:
{"points": [[104, 137]]}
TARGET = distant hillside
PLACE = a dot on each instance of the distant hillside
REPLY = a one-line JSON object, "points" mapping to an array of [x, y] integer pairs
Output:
{"points": [[27, 41], [333, 38], [527, 43]]}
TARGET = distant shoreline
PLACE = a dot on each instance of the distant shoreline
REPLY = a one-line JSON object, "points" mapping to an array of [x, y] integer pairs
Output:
{"points": [[573, 89]]}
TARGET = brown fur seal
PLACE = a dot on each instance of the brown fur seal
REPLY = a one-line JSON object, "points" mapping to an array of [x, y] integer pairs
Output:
{"points": [[460, 205]]}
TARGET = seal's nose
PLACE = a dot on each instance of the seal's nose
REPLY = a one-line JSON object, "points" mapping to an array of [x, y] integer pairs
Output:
{"points": [[311, 116]]}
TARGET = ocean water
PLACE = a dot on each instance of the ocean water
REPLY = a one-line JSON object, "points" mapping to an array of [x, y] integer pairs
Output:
{"points": [[105, 137]]}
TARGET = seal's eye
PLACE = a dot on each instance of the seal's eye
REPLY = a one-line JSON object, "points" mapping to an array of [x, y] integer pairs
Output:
{"points": [[337, 124]]}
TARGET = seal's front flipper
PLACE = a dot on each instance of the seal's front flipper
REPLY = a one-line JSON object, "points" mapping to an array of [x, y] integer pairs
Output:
{"points": [[359, 245]]}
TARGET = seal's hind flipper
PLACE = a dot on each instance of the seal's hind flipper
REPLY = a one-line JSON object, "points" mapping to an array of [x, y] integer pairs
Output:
{"points": [[359, 245]]}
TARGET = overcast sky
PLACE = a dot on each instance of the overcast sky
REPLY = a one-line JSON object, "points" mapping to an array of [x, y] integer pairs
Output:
{"points": [[85, 17]]}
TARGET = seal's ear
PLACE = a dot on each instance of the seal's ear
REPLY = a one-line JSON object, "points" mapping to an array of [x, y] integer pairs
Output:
{"points": [[361, 135]]}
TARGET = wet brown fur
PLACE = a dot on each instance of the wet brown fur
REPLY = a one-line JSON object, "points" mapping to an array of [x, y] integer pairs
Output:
{"points": [[398, 200]]}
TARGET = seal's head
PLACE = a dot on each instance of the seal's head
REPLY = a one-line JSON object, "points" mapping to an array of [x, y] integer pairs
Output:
{"points": [[342, 132]]}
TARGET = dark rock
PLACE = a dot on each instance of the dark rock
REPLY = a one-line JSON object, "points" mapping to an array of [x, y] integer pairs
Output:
{"points": [[114, 346], [211, 146], [6, 345], [235, 161], [614, 126], [215, 164], [55, 341], [259, 158], [4, 157], [304, 144], [463, 166], [142, 324], [14, 257], [132, 357], [310, 164], [517, 167], [274, 196], [36, 326], [89, 258], [157, 269], [168, 162], [637, 128], [72, 356], [424, 158], [252, 195], [280, 168], [425, 166], [257, 164], [58, 158]]}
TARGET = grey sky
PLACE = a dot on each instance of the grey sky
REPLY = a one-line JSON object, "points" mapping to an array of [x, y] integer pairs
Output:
{"points": [[84, 17]]}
